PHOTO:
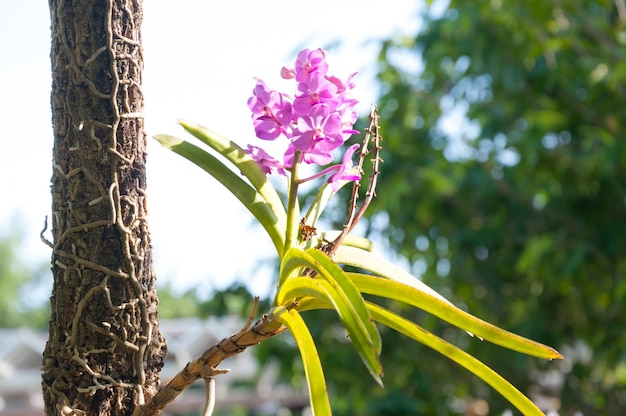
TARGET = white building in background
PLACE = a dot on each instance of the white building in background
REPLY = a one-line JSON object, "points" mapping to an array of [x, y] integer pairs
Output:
{"points": [[20, 371]]}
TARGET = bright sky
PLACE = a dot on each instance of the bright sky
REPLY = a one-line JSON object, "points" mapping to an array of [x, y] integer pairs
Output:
{"points": [[200, 61]]}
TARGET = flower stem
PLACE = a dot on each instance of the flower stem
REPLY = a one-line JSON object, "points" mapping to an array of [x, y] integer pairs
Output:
{"points": [[293, 209], [326, 171]]}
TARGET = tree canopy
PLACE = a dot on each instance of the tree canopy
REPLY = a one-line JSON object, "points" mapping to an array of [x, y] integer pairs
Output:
{"points": [[504, 185]]}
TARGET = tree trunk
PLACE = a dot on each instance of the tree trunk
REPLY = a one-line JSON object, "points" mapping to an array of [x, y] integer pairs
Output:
{"points": [[105, 348]]}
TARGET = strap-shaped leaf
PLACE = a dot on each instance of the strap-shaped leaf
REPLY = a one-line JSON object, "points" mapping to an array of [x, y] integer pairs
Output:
{"points": [[340, 281], [345, 298], [319, 203], [299, 288], [457, 355], [293, 264], [313, 304], [243, 161], [265, 213], [296, 259], [349, 240], [303, 289], [397, 291], [310, 359], [366, 260]]}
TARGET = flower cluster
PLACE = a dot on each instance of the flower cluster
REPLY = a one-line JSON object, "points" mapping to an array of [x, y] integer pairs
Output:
{"points": [[318, 120]]}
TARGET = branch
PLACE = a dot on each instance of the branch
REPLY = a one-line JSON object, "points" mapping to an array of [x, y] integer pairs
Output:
{"points": [[205, 365]]}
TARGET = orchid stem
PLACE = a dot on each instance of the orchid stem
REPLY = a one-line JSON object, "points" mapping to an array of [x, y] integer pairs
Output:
{"points": [[293, 209], [319, 174]]}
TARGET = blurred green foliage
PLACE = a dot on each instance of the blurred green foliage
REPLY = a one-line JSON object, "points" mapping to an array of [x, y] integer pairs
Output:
{"points": [[504, 186], [21, 303], [232, 300]]}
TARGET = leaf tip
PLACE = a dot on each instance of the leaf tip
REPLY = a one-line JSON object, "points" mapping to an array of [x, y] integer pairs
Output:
{"points": [[379, 380], [555, 355]]}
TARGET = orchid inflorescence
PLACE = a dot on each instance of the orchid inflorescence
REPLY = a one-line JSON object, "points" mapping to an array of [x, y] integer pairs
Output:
{"points": [[315, 124], [316, 121]]}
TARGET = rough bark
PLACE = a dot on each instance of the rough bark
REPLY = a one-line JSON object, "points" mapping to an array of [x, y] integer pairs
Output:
{"points": [[105, 348]]}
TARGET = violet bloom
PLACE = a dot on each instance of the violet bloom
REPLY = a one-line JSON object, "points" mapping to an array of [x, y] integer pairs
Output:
{"points": [[314, 90], [318, 120], [308, 62], [271, 112], [346, 170], [342, 87], [349, 117], [319, 125], [265, 161], [321, 153], [287, 73]]}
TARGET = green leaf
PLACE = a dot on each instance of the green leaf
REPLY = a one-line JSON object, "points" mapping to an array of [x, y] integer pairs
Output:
{"points": [[243, 161], [450, 313], [457, 355], [310, 359], [322, 199], [344, 296], [298, 288], [366, 260], [319, 203], [340, 281], [346, 293], [349, 240], [309, 293], [292, 264], [251, 199]]}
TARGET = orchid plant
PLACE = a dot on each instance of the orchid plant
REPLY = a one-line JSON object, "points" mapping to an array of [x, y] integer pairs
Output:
{"points": [[314, 125]]}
